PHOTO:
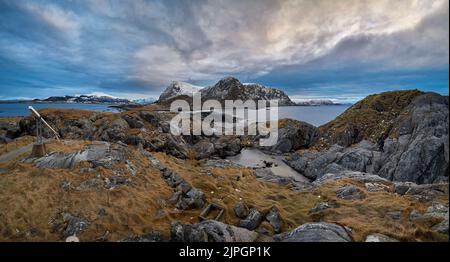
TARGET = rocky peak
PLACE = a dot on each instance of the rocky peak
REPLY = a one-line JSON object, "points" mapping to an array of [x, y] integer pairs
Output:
{"points": [[230, 88], [177, 88]]}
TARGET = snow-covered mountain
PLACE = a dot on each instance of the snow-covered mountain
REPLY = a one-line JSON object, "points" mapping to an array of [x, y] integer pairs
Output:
{"points": [[177, 88], [317, 102], [143, 101], [87, 99], [230, 88]]}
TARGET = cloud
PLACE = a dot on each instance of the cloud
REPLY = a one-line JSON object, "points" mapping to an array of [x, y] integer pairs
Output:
{"points": [[140, 46]]}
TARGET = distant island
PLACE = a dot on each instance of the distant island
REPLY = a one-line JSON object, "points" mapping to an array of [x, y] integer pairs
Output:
{"points": [[81, 99], [318, 102], [228, 88]]}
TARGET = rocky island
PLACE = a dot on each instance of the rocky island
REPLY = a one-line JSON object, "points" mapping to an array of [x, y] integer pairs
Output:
{"points": [[378, 172]]}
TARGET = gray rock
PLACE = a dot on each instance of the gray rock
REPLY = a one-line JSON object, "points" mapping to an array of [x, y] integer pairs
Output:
{"points": [[442, 227], [98, 154], [241, 210], [377, 187], [437, 210], [133, 121], [153, 236], [396, 215], [252, 221], [380, 238], [294, 135], [204, 149], [227, 146], [315, 232], [210, 231], [184, 187], [131, 167], [115, 181], [91, 183], [349, 192], [194, 198], [415, 215], [150, 117], [267, 175], [358, 176], [74, 225], [65, 185], [274, 219], [175, 197], [420, 152], [322, 206], [425, 192], [13, 132]]}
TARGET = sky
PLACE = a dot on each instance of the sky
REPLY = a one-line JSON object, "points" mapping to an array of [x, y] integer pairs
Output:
{"points": [[343, 50]]}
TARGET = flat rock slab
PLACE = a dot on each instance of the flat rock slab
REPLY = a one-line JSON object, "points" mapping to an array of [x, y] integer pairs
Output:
{"points": [[315, 232]]}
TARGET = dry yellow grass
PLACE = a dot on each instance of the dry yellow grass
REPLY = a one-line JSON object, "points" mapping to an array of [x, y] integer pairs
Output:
{"points": [[32, 198], [15, 144], [364, 216]]}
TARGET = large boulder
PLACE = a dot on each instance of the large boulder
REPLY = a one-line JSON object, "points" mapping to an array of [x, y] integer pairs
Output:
{"points": [[315, 232], [293, 135], [203, 149], [210, 231]]}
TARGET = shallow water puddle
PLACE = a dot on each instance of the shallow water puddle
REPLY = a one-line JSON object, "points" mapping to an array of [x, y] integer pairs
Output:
{"points": [[254, 158]]}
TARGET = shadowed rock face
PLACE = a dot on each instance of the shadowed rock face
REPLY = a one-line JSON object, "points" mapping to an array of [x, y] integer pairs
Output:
{"points": [[415, 149], [315, 232]]}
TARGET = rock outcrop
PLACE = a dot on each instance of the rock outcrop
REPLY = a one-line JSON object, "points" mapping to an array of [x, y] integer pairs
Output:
{"points": [[210, 231], [315, 232], [293, 135], [177, 88], [413, 148]]}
